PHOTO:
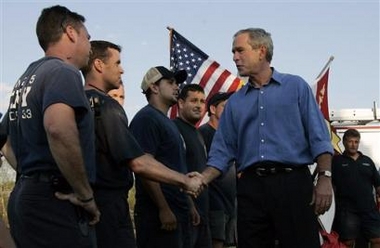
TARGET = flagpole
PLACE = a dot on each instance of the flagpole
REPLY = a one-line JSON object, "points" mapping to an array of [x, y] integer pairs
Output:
{"points": [[326, 66], [170, 38], [170, 32]]}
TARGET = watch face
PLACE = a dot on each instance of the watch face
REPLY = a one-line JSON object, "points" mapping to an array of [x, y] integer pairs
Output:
{"points": [[325, 173]]}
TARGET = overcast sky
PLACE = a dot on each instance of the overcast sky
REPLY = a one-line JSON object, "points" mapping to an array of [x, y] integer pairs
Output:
{"points": [[305, 34]]}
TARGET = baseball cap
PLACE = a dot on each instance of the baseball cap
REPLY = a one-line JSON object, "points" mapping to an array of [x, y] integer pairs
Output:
{"points": [[155, 74], [217, 98]]}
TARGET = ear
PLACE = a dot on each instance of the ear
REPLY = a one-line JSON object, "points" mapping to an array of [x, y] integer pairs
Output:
{"points": [[71, 33], [181, 103], [154, 88], [263, 52], [98, 65], [212, 109]]}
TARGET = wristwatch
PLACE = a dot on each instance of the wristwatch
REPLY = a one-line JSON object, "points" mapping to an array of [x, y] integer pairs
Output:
{"points": [[325, 173]]}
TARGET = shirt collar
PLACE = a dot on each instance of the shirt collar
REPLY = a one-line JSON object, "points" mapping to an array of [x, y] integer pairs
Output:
{"points": [[275, 78], [346, 154]]}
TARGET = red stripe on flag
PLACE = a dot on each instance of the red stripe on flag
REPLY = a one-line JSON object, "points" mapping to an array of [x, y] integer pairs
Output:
{"points": [[173, 111], [235, 85], [219, 83], [207, 75]]}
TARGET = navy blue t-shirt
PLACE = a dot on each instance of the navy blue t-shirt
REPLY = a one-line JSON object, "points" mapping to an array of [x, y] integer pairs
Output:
{"points": [[48, 81], [196, 159], [158, 136], [222, 190], [115, 144], [354, 181]]}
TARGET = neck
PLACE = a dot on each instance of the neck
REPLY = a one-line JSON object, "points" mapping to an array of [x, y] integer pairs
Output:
{"points": [[354, 156], [187, 121], [262, 78], [92, 86], [164, 108], [213, 122], [60, 52]]}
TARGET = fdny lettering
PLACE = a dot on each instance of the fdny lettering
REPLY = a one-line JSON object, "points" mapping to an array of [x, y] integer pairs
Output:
{"points": [[19, 96]]}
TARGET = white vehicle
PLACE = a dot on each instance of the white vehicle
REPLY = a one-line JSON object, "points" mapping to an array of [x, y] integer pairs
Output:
{"points": [[367, 122]]}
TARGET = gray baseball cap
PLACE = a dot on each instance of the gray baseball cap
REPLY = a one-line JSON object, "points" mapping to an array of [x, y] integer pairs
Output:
{"points": [[157, 73]]}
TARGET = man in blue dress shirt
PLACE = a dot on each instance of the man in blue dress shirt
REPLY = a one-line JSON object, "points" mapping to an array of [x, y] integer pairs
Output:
{"points": [[273, 129]]}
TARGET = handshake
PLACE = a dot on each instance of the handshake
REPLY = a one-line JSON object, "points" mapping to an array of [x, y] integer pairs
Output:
{"points": [[194, 183]]}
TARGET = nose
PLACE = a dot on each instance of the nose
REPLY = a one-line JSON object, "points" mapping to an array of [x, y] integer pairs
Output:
{"points": [[121, 70], [200, 104], [235, 57]]}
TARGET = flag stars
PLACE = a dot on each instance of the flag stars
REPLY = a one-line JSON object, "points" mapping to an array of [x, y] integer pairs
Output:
{"points": [[190, 58]]}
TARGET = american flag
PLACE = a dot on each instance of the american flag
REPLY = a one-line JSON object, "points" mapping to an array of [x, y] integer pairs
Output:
{"points": [[200, 68]]}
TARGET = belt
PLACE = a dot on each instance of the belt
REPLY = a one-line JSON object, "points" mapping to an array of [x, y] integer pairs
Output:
{"points": [[57, 181], [44, 176], [264, 169]]}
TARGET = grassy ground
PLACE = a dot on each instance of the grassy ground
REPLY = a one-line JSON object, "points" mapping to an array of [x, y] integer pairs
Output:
{"points": [[7, 177], [5, 189]]}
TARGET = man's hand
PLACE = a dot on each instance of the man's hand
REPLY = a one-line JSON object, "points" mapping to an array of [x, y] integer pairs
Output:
{"points": [[168, 219], [194, 183], [195, 217], [322, 195], [89, 206]]}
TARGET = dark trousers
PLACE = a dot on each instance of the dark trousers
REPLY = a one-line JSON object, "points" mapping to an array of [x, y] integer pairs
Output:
{"points": [[276, 207], [149, 233], [201, 235], [115, 227], [39, 220]]}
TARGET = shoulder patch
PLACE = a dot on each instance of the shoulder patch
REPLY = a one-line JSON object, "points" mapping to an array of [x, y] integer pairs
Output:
{"points": [[95, 105]]}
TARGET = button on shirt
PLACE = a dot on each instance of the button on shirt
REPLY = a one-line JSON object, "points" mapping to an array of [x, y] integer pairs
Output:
{"points": [[279, 122]]}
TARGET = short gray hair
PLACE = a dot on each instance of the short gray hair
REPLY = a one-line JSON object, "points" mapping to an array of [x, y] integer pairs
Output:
{"points": [[259, 37]]}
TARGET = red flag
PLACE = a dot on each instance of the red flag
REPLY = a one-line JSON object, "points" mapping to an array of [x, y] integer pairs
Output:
{"points": [[320, 88], [321, 94], [200, 68]]}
